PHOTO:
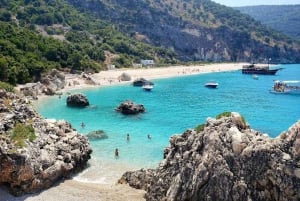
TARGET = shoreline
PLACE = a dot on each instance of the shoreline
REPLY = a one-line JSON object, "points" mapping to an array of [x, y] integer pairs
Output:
{"points": [[111, 77], [73, 189]]}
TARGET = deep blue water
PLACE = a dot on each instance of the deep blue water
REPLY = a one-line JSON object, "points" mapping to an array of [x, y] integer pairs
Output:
{"points": [[174, 105]]}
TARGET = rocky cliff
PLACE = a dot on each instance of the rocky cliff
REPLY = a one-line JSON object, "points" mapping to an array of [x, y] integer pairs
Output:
{"points": [[225, 160], [195, 30], [36, 152]]}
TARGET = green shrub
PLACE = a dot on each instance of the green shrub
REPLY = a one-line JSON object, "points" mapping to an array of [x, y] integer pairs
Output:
{"points": [[22, 132], [228, 114], [200, 128], [6, 86], [224, 114]]}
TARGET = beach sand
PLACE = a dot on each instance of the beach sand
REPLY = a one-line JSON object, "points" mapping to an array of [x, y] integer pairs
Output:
{"points": [[111, 77], [73, 190]]}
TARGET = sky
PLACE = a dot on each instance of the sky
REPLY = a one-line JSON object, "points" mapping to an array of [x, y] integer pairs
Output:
{"points": [[236, 3]]}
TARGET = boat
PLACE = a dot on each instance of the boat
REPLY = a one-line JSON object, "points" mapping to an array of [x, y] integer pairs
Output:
{"points": [[211, 84], [261, 70], [286, 87], [141, 81], [147, 87]]}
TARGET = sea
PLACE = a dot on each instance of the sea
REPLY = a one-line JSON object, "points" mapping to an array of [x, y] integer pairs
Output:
{"points": [[173, 106]]}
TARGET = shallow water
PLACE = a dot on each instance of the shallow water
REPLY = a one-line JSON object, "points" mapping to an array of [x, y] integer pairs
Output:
{"points": [[174, 105]]}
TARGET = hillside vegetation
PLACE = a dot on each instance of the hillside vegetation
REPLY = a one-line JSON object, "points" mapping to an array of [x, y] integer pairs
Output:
{"points": [[283, 18], [195, 29], [39, 35], [90, 35]]}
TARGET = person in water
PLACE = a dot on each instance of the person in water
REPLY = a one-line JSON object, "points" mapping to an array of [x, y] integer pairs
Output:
{"points": [[149, 137], [116, 153], [82, 125], [128, 137]]}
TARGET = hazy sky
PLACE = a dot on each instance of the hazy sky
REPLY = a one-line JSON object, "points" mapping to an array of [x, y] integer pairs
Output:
{"points": [[256, 2]]}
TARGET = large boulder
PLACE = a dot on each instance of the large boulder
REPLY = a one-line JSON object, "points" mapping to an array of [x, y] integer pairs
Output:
{"points": [[124, 77], [129, 107], [77, 100], [52, 151], [225, 161]]}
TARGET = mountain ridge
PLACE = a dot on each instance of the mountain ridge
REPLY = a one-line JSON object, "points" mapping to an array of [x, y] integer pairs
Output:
{"points": [[195, 30], [283, 18]]}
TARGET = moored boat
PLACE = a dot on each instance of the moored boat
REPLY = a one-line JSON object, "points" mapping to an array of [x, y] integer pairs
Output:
{"points": [[141, 81], [261, 70], [286, 87], [211, 84], [147, 87]]}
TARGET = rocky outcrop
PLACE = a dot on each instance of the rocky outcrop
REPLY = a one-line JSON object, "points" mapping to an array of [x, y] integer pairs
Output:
{"points": [[124, 77], [48, 85], [77, 100], [56, 151], [225, 161], [129, 107]]}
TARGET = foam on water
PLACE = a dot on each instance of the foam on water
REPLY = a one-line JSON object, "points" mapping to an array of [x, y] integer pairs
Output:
{"points": [[174, 105]]}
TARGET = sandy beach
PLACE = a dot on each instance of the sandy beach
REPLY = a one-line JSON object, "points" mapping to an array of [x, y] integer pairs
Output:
{"points": [[73, 190], [111, 77]]}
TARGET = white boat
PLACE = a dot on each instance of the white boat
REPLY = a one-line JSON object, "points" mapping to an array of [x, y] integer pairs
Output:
{"points": [[211, 84], [286, 87], [147, 87]]}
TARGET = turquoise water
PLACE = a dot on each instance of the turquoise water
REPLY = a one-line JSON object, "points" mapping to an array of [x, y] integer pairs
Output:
{"points": [[174, 105]]}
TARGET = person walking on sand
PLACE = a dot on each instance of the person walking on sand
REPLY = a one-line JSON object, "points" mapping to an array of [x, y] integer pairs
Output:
{"points": [[116, 153]]}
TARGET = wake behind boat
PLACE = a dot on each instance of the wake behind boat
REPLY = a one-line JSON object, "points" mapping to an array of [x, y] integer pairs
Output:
{"points": [[286, 87]]}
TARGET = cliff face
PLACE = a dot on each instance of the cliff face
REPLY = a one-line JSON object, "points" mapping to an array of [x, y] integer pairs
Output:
{"points": [[55, 152], [225, 161], [195, 30]]}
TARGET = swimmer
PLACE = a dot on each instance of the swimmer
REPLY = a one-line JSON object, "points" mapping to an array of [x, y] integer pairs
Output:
{"points": [[82, 125], [149, 137], [116, 153], [128, 137]]}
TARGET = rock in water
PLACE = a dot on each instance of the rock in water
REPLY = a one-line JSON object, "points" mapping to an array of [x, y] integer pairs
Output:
{"points": [[56, 151], [226, 161], [129, 107], [77, 100]]}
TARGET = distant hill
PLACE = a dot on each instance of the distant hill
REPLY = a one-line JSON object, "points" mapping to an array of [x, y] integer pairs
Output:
{"points": [[283, 18], [197, 30]]}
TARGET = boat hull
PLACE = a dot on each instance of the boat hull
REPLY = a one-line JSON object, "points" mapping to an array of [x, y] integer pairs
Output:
{"points": [[260, 71], [147, 87], [211, 85], [295, 92]]}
